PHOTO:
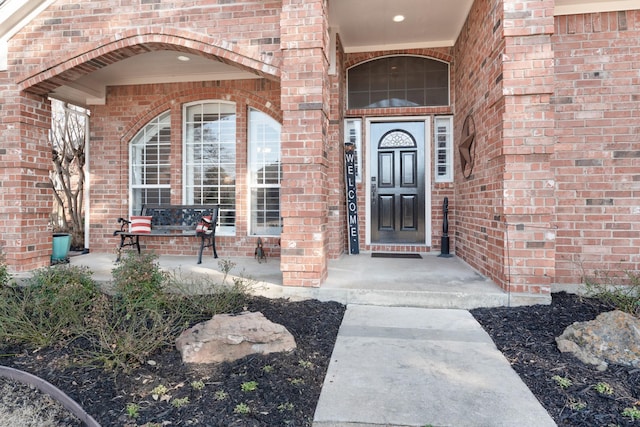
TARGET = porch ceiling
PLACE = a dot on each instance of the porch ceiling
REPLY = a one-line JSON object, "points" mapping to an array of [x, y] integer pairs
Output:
{"points": [[367, 25], [363, 25]]}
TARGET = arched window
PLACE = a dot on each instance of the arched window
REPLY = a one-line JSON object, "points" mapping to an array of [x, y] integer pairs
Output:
{"points": [[210, 159], [397, 138], [150, 169], [398, 81]]}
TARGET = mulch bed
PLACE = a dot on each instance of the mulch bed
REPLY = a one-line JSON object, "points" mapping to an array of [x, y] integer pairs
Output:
{"points": [[288, 388], [526, 336], [289, 384]]}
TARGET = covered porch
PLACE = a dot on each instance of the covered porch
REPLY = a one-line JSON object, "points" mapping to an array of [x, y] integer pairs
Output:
{"points": [[430, 281]]}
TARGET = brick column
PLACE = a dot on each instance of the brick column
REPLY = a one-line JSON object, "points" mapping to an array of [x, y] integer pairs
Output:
{"points": [[528, 143], [303, 201], [25, 190]]}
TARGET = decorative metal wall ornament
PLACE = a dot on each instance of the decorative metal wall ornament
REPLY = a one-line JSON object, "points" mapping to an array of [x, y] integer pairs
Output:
{"points": [[467, 148]]}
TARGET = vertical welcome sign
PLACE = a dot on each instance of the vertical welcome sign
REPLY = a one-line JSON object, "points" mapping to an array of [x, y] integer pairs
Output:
{"points": [[352, 202]]}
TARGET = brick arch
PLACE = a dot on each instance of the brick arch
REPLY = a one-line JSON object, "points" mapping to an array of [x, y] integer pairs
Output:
{"points": [[442, 54], [268, 106], [130, 43]]}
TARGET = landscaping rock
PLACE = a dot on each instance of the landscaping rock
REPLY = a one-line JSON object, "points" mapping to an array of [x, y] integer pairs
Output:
{"points": [[229, 337], [612, 337]]}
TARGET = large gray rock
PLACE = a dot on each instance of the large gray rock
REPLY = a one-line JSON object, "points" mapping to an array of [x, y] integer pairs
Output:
{"points": [[229, 337], [612, 337]]}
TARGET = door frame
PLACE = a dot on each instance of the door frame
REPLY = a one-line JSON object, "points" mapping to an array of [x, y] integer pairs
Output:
{"points": [[428, 143]]}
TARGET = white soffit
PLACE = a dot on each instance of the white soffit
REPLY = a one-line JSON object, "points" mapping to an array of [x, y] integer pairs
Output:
{"points": [[577, 7], [368, 25], [15, 14]]}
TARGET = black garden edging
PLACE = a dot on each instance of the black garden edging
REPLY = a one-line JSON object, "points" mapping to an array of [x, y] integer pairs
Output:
{"points": [[48, 388]]}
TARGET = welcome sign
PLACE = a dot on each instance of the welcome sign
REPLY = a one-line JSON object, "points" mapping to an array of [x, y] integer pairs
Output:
{"points": [[352, 201]]}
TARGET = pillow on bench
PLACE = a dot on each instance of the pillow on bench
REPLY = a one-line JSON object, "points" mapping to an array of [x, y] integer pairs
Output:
{"points": [[204, 226], [140, 224]]}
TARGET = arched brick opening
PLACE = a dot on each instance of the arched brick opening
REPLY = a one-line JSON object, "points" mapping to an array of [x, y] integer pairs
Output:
{"points": [[117, 47], [135, 42]]}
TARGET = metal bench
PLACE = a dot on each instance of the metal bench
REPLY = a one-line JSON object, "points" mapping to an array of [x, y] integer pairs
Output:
{"points": [[172, 221]]}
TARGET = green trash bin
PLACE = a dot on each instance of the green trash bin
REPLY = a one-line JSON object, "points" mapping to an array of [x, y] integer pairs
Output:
{"points": [[61, 246]]}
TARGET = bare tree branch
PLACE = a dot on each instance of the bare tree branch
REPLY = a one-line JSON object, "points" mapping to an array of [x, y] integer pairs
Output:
{"points": [[68, 140]]}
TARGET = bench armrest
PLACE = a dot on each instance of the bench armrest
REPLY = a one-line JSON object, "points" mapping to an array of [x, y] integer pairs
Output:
{"points": [[124, 227]]}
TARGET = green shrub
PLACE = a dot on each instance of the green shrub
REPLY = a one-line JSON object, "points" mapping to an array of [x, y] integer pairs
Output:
{"points": [[121, 338], [62, 303], [149, 310], [5, 277], [139, 281], [48, 308], [619, 290]]}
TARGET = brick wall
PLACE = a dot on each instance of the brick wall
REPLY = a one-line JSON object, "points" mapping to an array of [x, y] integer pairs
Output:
{"points": [[72, 29], [337, 227], [305, 142], [596, 162], [89, 36], [478, 205], [25, 188], [528, 144], [554, 184], [505, 81]]}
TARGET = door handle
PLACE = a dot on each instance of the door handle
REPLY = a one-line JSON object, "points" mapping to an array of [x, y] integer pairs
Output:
{"points": [[374, 193]]}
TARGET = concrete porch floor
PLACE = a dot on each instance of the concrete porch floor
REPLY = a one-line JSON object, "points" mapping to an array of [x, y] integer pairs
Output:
{"points": [[430, 282]]}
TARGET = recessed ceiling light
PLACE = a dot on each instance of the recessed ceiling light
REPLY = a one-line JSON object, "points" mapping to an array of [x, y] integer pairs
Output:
{"points": [[183, 58], [398, 18]]}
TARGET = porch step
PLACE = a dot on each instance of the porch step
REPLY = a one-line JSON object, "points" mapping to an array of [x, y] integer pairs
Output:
{"points": [[419, 299], [429, 282]]}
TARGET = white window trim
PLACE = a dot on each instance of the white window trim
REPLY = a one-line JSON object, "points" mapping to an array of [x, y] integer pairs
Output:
{"points": [[250, 184], [448, 176], [220, 231], [131, 154]]}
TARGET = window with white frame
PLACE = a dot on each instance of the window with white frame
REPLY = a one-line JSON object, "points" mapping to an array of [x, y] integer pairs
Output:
{"points": [[443, 137], [265, 174], [353, 135], [210, 159], [150, 166]]}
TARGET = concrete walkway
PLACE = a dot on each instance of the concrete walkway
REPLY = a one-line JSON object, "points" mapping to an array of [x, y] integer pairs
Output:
{"points": [[403, 366]]}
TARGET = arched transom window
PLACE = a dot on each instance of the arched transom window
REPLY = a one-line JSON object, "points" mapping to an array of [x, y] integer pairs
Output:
{"points": [[397, 139], [398, 81]]}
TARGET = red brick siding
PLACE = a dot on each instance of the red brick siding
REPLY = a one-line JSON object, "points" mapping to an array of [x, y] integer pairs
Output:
{"points": [[528, 143], [337, 226], [505, 78], [478, 207], [25, 189], [73, 30], [305, 98], [90, 36], [596, 161]]}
